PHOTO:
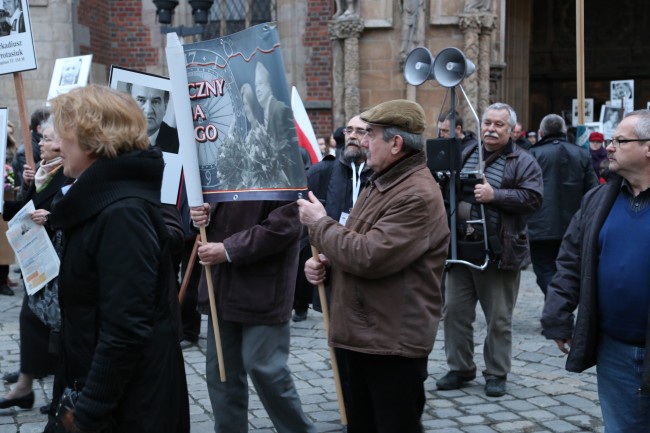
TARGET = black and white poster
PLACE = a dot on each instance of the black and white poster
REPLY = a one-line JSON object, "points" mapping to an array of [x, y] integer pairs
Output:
{"points": [[16, 41], [153, 95], [69, 73]]}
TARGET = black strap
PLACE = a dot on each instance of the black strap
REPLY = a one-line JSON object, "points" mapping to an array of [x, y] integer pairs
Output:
{"points": [[494, 243], [490, 159]]}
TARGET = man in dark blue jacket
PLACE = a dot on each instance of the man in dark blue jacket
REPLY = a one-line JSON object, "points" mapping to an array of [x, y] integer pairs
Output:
{"points": [[337, 181], [603, 269], [567, 177]]}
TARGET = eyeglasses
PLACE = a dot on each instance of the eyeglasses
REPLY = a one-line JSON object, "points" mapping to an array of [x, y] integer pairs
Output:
{"points": [[47, 139], [360, 132], [616, 142]]}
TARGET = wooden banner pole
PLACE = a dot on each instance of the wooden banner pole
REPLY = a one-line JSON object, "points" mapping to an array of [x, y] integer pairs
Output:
{"points": [[580, 59], [335, 366], [24, 119], [188, 271], [213, 312]]}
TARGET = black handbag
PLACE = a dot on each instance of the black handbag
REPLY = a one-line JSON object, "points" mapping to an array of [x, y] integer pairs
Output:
{"points": [[45, 303], [67, 403]]}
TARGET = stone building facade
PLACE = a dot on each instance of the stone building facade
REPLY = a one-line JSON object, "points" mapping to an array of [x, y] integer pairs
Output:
{"points": [[346, 56], [341, 62]]}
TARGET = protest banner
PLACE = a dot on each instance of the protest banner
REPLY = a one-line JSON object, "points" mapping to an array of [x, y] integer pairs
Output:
{"points": [[69, 73], [17, 54], [304, 129], [188, 152], [246, 141], [152, 93]]}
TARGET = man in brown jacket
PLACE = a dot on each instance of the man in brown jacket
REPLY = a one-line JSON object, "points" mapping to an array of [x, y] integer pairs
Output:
{"points": [[385, 264]]}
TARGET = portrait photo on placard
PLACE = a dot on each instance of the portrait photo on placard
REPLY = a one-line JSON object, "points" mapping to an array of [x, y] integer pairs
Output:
{"points": [[152, 93], [589, 111], [622, 91], [610, 117], [69, 73]]}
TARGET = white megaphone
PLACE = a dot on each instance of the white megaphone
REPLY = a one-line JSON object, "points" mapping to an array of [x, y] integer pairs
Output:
{"points": [[451, 66], [419, 66]]}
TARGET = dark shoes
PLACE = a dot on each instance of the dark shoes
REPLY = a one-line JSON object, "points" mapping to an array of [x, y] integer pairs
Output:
{"points": [[452, 380], [299, 316], [45, 409], [24, 402], [495, 386], [6, 290]]}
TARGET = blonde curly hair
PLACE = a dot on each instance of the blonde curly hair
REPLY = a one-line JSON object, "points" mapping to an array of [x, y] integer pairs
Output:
{"points": [[104, 121]]}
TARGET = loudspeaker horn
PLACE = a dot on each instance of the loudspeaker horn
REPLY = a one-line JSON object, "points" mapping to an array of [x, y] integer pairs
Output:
{"points": [[451, 66], [419, 66]]}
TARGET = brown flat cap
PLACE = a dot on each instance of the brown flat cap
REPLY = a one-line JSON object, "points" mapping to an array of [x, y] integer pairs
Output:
{"points": [[400, 113]]}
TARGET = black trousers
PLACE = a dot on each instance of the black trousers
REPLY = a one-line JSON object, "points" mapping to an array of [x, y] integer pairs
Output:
{"points": [[543, 255], [190, 317], [386, 393]]}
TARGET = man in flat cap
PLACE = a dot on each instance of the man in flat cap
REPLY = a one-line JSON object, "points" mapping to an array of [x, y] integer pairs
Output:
{"points": [[510, 189], [385, 264]]}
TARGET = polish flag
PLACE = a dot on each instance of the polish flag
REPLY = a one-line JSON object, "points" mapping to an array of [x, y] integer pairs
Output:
{"points": [[304, 130]]}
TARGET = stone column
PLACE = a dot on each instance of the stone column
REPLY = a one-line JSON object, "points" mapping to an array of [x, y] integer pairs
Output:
{"points": [[470, 25], [345, 32], [477, 31], [488, 24]]}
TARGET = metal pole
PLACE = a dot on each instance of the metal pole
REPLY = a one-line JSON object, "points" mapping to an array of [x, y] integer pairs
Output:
{"points": [[453, 205]]}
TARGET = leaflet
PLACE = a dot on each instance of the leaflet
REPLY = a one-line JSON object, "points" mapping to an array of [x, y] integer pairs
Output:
{"points": [[36, 256]]}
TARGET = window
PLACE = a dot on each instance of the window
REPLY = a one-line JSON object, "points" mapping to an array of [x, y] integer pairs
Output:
{"points": [[230, 16]]}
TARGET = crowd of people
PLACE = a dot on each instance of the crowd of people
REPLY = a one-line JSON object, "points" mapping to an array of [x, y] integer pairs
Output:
{"points": [[381, 225]]}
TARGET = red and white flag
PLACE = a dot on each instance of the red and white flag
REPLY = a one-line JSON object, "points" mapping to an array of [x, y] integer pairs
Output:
{"points": [[304, 130]]}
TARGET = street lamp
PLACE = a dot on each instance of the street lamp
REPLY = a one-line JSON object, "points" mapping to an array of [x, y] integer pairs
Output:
{"points": [[165, 10], [200, 10]]}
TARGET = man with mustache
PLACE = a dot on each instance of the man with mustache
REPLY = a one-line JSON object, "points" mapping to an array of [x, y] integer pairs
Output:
{"points": [[337, 183], [510, 190], [603, 269]]}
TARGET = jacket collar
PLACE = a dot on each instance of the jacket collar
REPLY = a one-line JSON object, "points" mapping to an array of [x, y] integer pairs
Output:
{"points": [[108, 180], [551, 138], [400, 170]]}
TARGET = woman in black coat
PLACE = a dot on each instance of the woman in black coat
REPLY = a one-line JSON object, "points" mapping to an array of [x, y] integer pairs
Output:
{"points": [[41, 187], [119, 345]]}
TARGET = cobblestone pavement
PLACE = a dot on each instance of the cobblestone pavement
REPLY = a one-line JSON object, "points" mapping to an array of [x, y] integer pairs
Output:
{"points": [[541, 396]]}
